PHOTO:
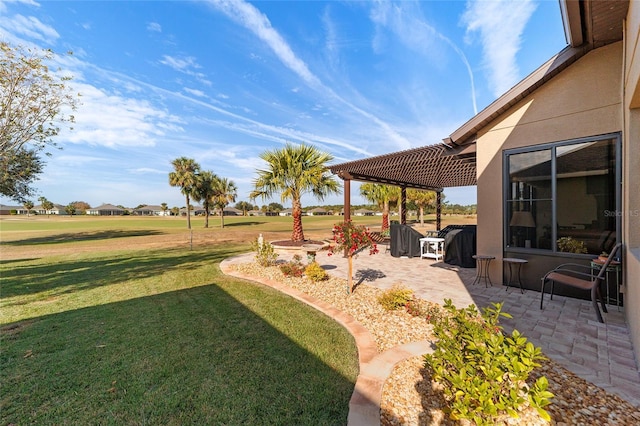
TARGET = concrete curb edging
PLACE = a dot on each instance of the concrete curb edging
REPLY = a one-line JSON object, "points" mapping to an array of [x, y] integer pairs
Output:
{"points": [[364, 405]]}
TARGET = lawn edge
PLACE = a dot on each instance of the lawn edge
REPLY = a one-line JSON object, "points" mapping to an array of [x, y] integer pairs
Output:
{"points": [[374, 368]]}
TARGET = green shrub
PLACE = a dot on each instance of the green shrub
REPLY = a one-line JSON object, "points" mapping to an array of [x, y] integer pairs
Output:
{"points": [[483, 371], [293, 268], [314, 272], [395, 298], [265, 253]]}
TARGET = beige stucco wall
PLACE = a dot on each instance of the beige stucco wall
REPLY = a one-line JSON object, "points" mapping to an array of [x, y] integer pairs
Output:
{"points": [[631, 172], [584, 100]]}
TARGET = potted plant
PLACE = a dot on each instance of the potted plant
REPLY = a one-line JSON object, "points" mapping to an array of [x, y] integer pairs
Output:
{"points": [[570, 245]]}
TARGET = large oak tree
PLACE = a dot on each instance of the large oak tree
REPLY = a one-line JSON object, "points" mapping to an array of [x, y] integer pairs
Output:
{"points": [[33, 99]]}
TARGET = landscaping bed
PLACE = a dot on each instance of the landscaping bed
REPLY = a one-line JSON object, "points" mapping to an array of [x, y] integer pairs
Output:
{"points": [[411, 398]]}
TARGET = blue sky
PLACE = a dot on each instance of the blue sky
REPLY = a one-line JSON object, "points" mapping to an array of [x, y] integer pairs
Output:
{"points": [[223, 81]]}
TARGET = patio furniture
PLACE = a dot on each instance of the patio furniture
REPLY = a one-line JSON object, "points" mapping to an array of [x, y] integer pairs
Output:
{"points": [[432, 247], [459, 245], [482, 272], [615, 267], [514, 263], [405, 241], [381, 240], [580, 277]]}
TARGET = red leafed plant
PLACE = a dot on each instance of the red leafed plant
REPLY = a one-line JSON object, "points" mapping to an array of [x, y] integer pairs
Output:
{"points": [[350, 239]]}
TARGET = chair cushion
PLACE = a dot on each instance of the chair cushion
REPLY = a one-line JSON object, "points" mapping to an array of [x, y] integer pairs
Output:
{"points": [[570, 280]]}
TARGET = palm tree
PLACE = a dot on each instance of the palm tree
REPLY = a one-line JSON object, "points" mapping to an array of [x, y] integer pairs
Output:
{"points": [[164, 207], [46, 205], [184, 176], [70, 209], [205, 192], [225, 192], [383, 196], [293, 171], [244, 206], [28, 205], [422, 199]]}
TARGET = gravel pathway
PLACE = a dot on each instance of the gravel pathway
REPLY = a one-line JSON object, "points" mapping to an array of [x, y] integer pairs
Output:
{"points": [[411, 398]]}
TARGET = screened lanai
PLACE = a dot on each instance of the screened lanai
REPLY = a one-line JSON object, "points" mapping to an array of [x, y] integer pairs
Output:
{"points": [[432, 167]]}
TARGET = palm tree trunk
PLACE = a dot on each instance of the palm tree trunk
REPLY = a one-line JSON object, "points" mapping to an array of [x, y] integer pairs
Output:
{"points": [[206, 217], [222, 218], [298, 233], [421, 216], [385, 216]]}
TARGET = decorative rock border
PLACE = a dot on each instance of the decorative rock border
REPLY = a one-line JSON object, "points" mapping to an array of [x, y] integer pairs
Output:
{"points": [[364, 405]]}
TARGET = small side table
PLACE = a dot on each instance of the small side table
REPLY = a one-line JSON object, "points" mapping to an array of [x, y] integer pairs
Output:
{"points": [[514, 263], [596, 265], [432, 247], [482, 266]]}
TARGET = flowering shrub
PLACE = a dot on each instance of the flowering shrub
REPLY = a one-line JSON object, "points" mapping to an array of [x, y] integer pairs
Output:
{"points": [[352, 238], [293, 268]]}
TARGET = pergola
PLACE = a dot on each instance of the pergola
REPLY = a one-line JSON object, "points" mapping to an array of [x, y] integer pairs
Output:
{"points": [[432, 167]]}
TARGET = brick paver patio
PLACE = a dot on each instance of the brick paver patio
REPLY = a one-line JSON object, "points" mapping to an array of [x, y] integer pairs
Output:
{"points": [[566, 329]]}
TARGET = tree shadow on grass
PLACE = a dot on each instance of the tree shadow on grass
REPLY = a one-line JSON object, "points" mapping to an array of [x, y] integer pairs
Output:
{"points": [[68, 276], [232, 224], [228, 353], [81, 236]]}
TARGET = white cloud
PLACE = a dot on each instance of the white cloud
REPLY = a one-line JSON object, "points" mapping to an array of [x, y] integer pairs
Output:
{"points": [[416, 33], [251, 18], [186, 65], [195, 92], [154, 27], [500, 24], [147, 170], [30, 27], [111, 120], [3, 4]]}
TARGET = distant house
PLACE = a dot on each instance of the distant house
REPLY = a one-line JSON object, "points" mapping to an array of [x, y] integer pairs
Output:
{"points": [[57, 209], [318, 211], [106, 210], [149, 210], [286, 212], [231, 211], [364, 212], [4, 209]]}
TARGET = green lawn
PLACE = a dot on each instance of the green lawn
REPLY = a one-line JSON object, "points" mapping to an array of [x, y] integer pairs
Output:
{"points": [[113, 333]]}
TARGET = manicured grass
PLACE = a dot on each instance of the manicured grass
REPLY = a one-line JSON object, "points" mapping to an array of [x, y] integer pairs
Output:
{"points": [[128, 335]]}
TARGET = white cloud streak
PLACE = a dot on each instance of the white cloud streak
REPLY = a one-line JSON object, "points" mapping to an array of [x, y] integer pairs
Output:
{"points": [[500, 24], [416, 34], [30, 27], [110, 120], [251, 18]]}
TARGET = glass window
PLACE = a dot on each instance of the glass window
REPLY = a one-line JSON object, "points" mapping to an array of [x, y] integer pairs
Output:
{"points": [[562, 197]]}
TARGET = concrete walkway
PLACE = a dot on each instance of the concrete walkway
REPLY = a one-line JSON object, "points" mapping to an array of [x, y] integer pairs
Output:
{"points": [[566, 329]]}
